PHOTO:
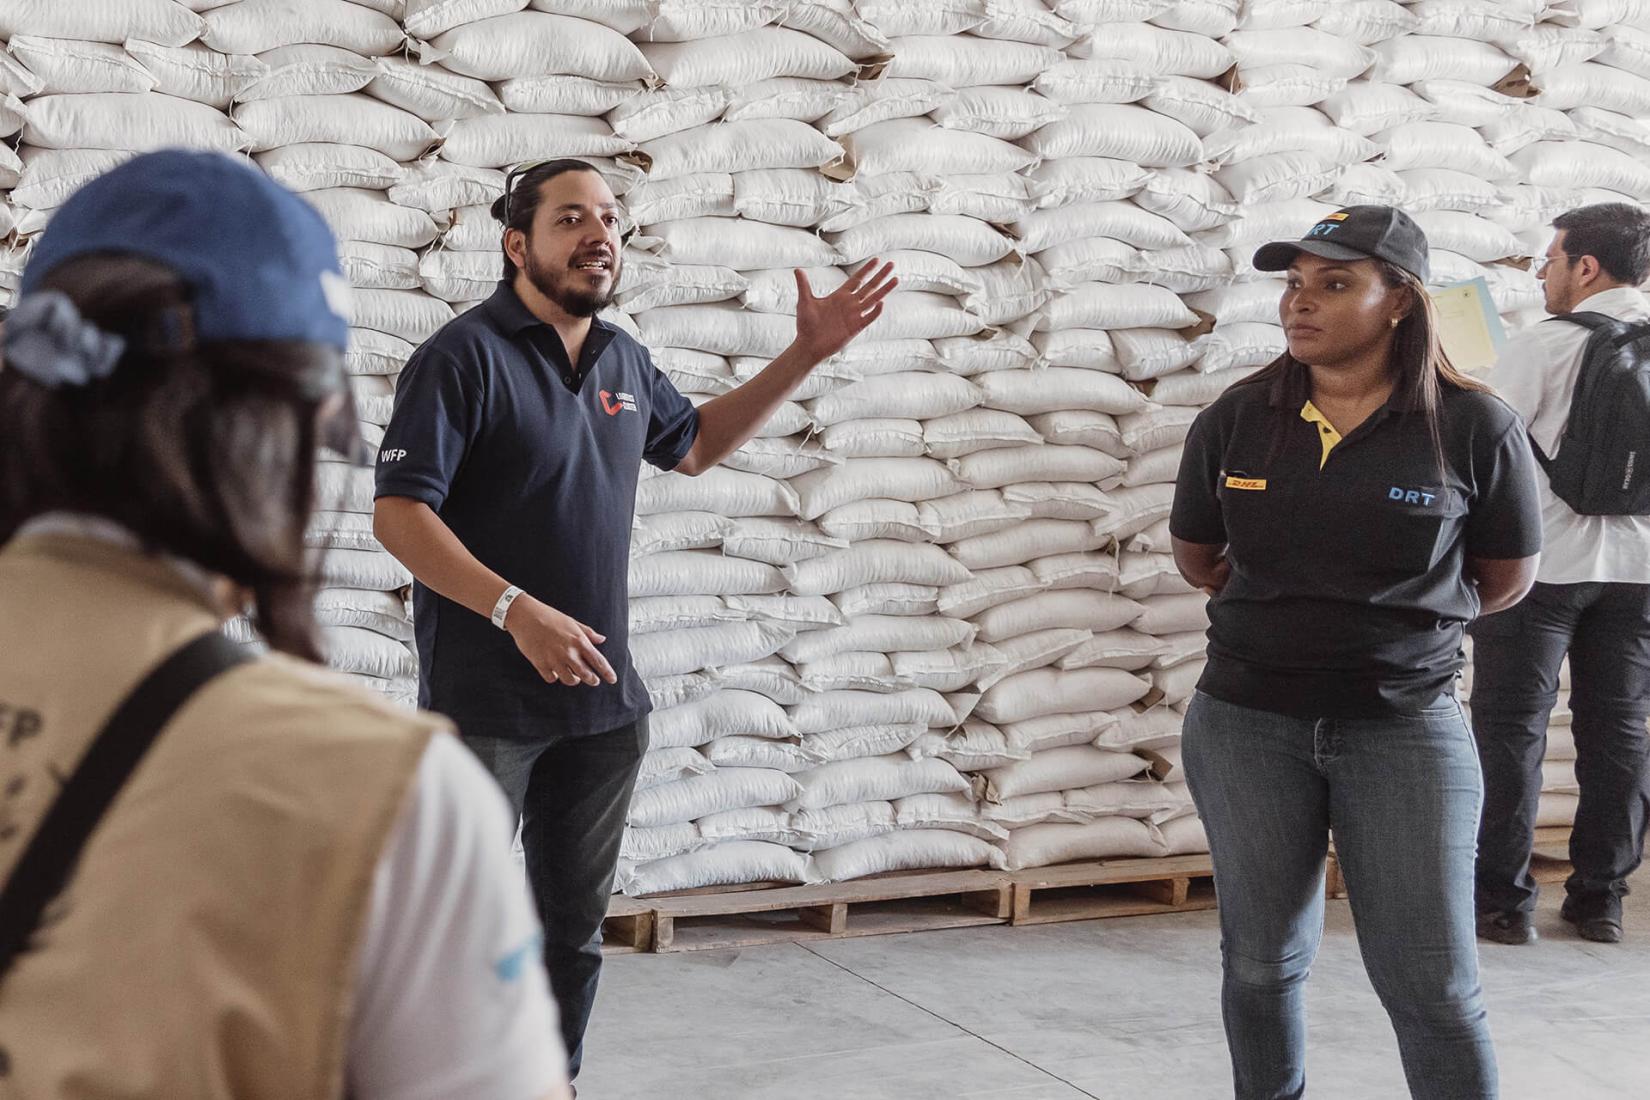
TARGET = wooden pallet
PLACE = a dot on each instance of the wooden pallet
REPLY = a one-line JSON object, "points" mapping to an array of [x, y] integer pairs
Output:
{"points": [[908, 902], [1112, 888]]}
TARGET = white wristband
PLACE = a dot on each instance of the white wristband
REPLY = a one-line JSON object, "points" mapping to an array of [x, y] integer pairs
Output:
{"points": [[502, 608]]}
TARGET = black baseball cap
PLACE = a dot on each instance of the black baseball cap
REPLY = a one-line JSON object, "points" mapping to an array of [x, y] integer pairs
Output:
{"points": [[1356, 233]]}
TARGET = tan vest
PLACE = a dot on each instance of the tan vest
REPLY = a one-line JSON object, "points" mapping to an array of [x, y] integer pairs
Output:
{"points": [[207, 944]]}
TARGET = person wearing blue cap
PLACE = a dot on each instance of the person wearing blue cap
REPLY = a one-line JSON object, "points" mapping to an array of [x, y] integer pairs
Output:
{"points": [[224, 875], [507, 485], [1349, 508]]}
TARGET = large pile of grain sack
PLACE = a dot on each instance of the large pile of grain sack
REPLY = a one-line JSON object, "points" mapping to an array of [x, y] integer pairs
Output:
{"points": [[928, 618]]}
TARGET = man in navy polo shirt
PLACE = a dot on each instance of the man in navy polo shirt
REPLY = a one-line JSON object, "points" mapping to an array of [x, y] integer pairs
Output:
{"points": [[507, 484]]}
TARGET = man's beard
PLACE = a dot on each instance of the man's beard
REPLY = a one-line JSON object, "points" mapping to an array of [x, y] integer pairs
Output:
{"points": [[557, 285]]}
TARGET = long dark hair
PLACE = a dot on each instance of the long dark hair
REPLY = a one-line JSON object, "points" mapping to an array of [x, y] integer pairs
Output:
{"points": [[523, 192], [1421, 370], [207, 454]]}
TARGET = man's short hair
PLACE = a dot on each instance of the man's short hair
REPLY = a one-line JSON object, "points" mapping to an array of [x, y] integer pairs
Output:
{"points": [[1616, 234]]}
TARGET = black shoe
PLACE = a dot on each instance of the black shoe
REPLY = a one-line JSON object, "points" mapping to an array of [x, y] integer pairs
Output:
{"points": [[1596, 918], [1514, 928]]}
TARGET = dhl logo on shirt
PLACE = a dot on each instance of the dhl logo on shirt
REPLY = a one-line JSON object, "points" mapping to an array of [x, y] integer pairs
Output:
{"points": [[1255, 484]]}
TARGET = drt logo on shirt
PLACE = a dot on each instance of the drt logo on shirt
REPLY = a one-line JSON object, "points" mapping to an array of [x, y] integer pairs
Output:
{"points": [[615, 403]]}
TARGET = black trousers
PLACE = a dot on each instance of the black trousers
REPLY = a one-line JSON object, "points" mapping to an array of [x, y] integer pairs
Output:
{"points": [[1605, 629], [573, 794]]}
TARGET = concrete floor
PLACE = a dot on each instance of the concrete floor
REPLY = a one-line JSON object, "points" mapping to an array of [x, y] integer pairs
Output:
{"points": [[1111, 1010]]}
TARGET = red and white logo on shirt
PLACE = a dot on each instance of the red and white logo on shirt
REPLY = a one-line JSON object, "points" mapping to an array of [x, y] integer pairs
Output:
{"points": [[615, 403]]}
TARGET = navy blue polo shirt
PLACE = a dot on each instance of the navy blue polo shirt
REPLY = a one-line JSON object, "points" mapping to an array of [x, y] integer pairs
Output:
{"points": [[1348, 593], [532, 461]]}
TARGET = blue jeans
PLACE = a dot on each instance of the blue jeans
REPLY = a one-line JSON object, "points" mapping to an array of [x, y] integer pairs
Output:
{"points": [[573, 794], [1402, 796]]}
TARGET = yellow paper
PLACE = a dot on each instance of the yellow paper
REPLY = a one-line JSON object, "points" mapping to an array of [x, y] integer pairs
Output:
{"points": [[1468, 325]]}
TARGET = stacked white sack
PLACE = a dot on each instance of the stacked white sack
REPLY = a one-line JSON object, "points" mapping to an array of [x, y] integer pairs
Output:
{"points": [[928, 618]]}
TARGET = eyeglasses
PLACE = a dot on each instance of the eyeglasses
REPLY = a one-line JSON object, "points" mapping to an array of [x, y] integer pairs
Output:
{"points": [[1545, 262]]}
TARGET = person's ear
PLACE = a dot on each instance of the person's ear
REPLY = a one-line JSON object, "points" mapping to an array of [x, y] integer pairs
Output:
{"points": [[1588, 270], [515, 247]]}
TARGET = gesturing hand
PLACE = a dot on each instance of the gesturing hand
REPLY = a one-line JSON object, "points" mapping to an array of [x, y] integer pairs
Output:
{"points": [[824, 326], [560, 647]]}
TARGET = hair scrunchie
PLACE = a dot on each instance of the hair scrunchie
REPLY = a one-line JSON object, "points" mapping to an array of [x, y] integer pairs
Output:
{"points": [[49, 342]]}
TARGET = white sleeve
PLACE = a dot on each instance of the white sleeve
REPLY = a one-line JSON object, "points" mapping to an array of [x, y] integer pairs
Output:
{"points": [[452, 998]]}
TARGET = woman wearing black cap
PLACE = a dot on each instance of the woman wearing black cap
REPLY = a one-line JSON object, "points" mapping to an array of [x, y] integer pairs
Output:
{"points": [[1350, 508]]}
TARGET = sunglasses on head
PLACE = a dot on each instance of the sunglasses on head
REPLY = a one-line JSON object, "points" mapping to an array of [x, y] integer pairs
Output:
{"points": [[520, 170]]}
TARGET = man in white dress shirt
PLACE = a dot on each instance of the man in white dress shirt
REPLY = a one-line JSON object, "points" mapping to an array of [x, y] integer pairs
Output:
{"points": [[1591, 602]]}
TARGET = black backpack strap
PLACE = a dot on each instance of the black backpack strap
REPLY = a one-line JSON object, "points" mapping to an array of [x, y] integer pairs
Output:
{"points": [[44, 868], [1587, 320]]}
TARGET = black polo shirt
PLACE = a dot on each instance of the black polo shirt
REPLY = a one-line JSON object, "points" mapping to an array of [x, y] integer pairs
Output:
{"points": [[533, 462], [1347, 596]]}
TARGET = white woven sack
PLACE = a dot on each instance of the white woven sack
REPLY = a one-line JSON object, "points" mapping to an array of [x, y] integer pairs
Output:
{"points": [[1122, 221], [1595, 85], [1366, 21], [917, 396], [646, 845], [1367, 108], [1058, 388], [366, 652], [875, 437], [134, 122], [1109, 838], [308, 69], [1289, 130], [68, 67], [1211, 18], [966, 432], [1049, 691], [409, 314], [360, 214], [1017, 545], [725, 864], [1107, 80], [907, 479], [159, 21], [661, 766], [1581, 164], [1278, 177], [1078, 610], [1121, 132], [726, 789], [428, 18], [1077, 427], [918, 145], [430, 92], [1470, 235], [762, 54], [968, 241], [727, 713], [739, 146], [874, 101], [501, 140], [1235, 346], [256, 26], [841, 710], [959, 61], [998, 467], [1128, 649], [1161, 51], [1330, 54], [726, 492], [904, 850], [345, 120], [1005, 113], [341, 568], [312, 166], [874, 561], [532, 43], [700, 572], [654, 114], [1086, 179], [1411, 58], [565, 94], [741, 245], [878, 779], [673, 652], [1199, 105], [1058, 769], [1099, 306], [802, 99], [1442, 145], [438, 186]]}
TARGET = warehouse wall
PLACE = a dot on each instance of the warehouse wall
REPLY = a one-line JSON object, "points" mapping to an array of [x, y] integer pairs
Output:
{"points": [[928, 618]]}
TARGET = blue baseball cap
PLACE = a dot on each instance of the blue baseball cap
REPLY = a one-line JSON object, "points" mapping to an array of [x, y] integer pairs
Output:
{"points": [[260, 261]]}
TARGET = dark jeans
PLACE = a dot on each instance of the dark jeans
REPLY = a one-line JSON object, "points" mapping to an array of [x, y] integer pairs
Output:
{"points": [[572, 794], [1401, 795], [1516, 654]]}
